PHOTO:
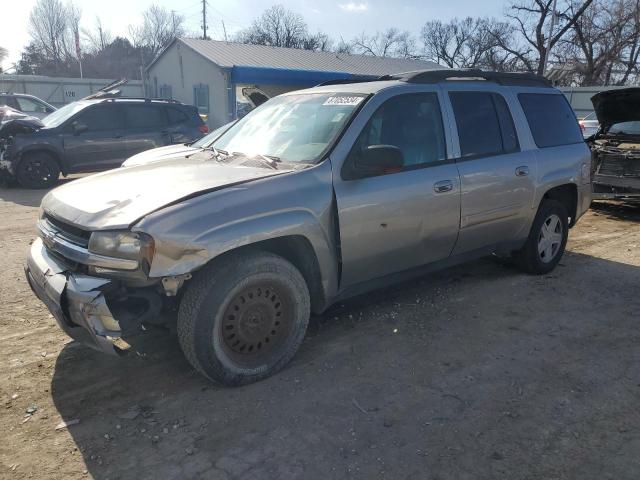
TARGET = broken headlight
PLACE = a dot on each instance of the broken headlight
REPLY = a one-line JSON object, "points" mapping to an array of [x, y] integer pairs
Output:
{"points": [[128, 245]]}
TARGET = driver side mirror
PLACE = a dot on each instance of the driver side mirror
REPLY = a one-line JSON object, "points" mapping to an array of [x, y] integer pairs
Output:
{"points": [[79, 127], [378, 160]]}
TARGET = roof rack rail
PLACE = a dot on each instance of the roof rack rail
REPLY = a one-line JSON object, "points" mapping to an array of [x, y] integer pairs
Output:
{"points": [[503, 78], [344, 81], [146, 99]]}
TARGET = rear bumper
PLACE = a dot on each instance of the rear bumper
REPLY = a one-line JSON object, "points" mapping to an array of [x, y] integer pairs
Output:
{"points": [[608, 186], [76, 301]]}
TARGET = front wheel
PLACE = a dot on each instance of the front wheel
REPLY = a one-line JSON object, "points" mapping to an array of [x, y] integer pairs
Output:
{"points": [[547, 239], [37, 170], [243, 318]]}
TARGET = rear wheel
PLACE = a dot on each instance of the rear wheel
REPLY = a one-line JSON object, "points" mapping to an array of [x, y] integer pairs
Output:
{"points": [[37, 170], [243, 318], [547, 239]]}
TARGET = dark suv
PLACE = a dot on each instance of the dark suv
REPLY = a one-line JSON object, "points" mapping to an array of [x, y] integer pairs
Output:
{"points": [[94, 135]]}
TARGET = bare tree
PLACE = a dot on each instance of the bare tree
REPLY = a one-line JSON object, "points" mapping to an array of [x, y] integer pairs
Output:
{"points": [[390, 43], [98, 38], [277, 27], [4, 53], [159, 27], [73, 14], [530, 19], [48, 28]]}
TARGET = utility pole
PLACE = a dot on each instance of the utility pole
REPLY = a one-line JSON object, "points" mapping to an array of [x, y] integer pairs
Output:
{"points": [[551, 27], [204, 19], [224, 29]]}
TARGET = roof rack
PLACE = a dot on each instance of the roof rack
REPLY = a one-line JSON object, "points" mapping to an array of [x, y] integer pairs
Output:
{"points": [[146, 99], [503, 78]]}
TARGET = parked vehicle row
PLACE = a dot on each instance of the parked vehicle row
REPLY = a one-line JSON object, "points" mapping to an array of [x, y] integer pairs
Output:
{"points": [[96, 134], [318, 195], [27, 104]]}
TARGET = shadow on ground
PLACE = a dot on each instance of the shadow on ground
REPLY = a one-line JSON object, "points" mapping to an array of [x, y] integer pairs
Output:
{"points": [[618, 210], [478, 372]]}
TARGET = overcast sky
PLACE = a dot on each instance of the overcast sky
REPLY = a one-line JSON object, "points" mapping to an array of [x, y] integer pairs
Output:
{"points": [[337, 18]]}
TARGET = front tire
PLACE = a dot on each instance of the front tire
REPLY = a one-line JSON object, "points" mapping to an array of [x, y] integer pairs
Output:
{"points": [[547, 239], [244, 317], [37, 170]]}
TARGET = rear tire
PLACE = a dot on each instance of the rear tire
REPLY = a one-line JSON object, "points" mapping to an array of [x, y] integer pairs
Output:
{"points": [[243, 318], [37, 170], [547, 239]]}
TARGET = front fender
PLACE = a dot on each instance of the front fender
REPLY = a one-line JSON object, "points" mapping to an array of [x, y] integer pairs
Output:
{"points": [[189, 235]]}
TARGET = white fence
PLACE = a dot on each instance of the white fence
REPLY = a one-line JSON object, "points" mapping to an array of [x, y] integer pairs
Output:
{"points": [[580, 98], [59, 91]]}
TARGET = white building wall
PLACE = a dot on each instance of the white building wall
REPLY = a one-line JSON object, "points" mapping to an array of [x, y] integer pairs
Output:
{"points": [[183, 69]]}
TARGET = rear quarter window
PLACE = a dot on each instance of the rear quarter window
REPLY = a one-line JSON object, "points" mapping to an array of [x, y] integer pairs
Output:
{"points": [[551, 119], [176, 116]]}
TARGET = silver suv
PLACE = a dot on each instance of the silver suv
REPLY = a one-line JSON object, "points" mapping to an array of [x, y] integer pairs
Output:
{"points": [[315, 196]]}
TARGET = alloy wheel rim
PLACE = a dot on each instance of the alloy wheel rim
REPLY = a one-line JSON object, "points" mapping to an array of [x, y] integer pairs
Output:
{"points": [[550, 238]]}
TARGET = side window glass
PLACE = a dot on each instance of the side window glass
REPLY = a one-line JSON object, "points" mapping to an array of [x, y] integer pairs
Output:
{"points": [[410, 122], [550, 118], [477, 121], [176, 116], [29, 106], [144, 116], [100, 118]]}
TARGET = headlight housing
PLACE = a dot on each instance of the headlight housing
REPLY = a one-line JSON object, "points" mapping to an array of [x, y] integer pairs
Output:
{"points": [[122, 244]]}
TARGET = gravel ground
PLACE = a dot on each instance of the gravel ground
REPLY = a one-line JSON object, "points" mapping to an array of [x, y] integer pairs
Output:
{"points": [[479, 372]]}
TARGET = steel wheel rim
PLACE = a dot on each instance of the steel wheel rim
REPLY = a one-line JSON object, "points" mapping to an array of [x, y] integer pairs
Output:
{"points": [[550, 238], [256, 323], [37, 170]]}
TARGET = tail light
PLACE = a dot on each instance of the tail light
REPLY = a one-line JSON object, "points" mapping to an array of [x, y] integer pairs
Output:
{"points": [[203, 128], [581, 123]]}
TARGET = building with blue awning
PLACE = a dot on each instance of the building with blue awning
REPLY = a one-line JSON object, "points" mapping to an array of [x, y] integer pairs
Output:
{"points": [[213, 74]]}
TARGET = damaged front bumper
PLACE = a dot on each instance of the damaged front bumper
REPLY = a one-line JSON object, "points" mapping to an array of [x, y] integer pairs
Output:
{"points": [[78, 302]]}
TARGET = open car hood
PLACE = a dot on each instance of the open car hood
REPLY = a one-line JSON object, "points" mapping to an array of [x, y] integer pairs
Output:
{"points": [[616, 106], [254, 96], [118, 198]]}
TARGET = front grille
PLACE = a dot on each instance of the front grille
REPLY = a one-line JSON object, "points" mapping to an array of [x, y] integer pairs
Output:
{"points": [[619, 166], [68, 232]]}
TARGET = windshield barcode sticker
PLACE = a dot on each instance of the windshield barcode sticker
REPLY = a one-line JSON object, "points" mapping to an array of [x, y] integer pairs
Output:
{"points": [[343, 100]]}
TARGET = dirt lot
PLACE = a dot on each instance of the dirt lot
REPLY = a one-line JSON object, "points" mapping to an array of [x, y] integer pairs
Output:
{"points": [[479, 372]]}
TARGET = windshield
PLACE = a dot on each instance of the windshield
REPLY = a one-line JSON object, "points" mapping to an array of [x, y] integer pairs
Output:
{"points": [[208, 139], [59, 116], [629, 128], [292, 128]]}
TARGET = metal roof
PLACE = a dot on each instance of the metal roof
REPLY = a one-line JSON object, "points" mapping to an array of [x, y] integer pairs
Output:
{"points": [[229, 54]]}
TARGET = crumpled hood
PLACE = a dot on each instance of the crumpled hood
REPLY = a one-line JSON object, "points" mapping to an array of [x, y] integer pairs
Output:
{"points": [[161, 153], [615, 106], [118, 198]]}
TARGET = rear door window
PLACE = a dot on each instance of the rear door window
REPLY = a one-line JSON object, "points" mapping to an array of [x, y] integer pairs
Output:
{"points": [[100, 118], [146, 117], [551, 119], [176, 116], [485, 126]]}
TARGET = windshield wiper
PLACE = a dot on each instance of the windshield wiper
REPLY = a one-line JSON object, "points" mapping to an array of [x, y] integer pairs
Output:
{"points": [[271, 160]]}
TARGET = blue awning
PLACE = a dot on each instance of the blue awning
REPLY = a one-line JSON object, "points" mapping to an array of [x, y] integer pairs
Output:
{"points": [[285, 76]]}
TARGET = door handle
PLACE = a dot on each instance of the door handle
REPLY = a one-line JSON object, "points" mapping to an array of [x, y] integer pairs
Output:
{"points": [[522, 171], [443, 186]]}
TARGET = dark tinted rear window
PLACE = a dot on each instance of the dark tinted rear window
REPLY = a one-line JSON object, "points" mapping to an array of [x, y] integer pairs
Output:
{"points": [[176, 116], [484, 124], [100, 117], [551, 120], [144, 116]]}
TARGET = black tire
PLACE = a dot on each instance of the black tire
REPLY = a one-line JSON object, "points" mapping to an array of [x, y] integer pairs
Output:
{"points": [[529, 258], [255, 297], [37, 170]]}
